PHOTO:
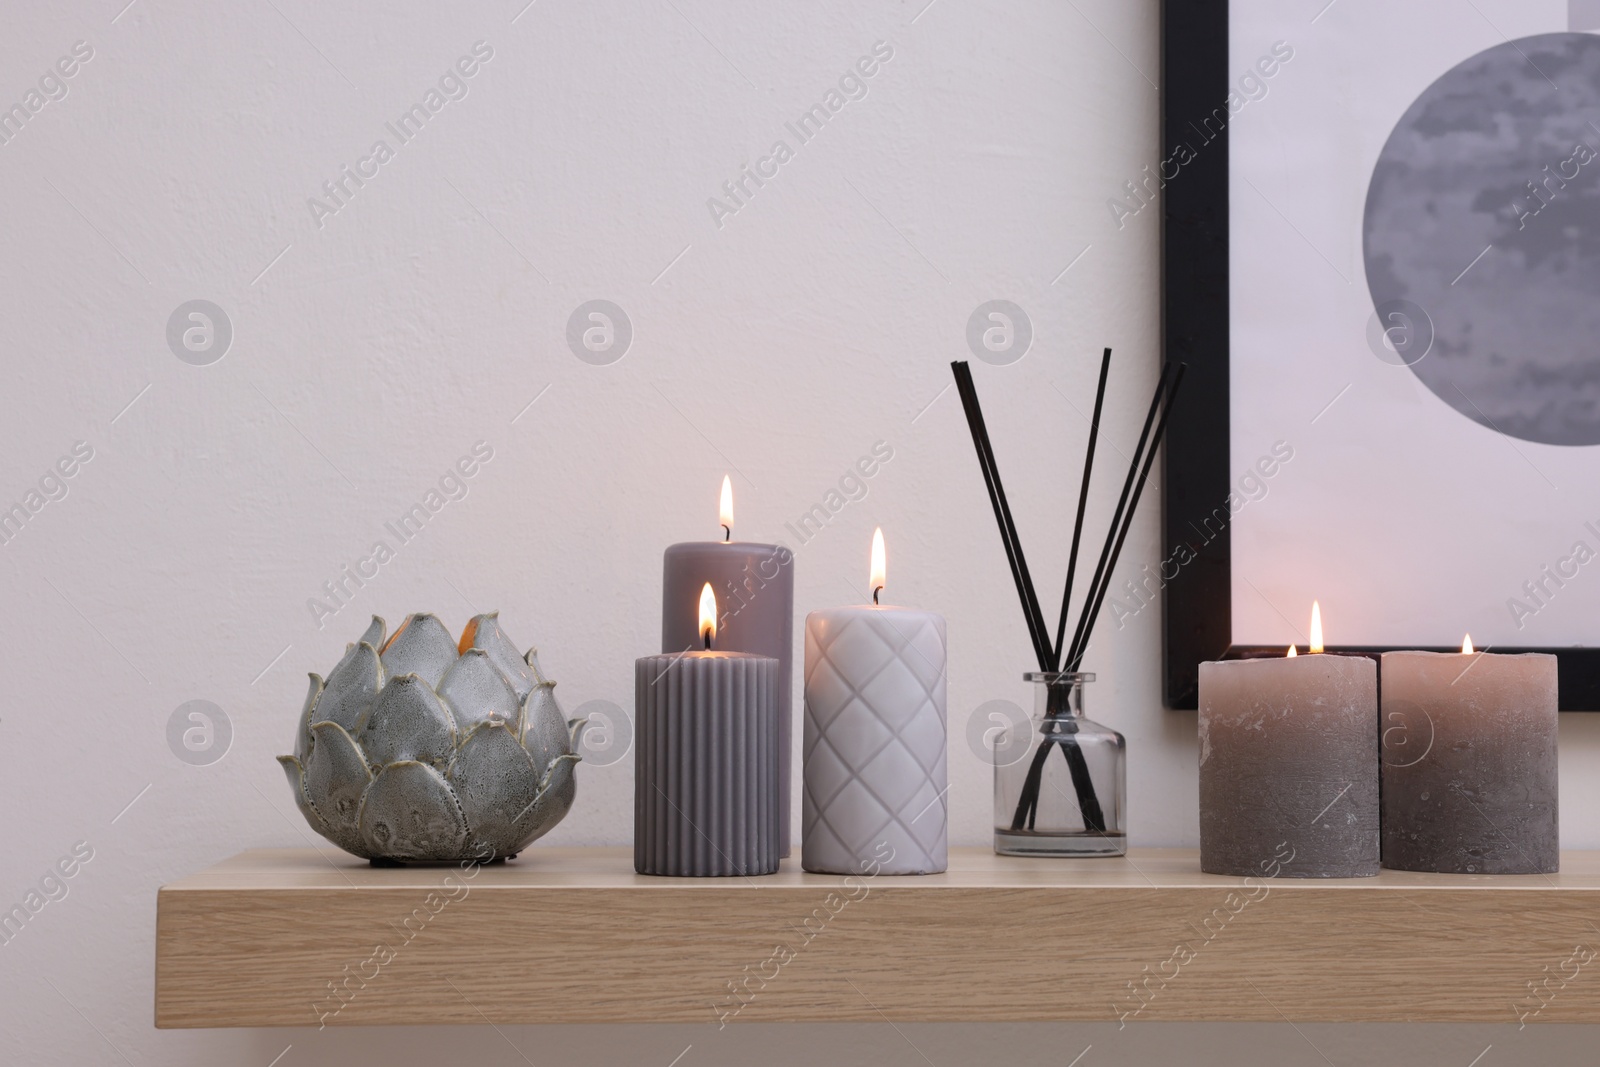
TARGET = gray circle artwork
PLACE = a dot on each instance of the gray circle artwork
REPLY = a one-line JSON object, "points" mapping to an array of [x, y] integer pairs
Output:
{"points": [[199, 332], [199, 732], [1484, 213], [999, 332], [608, 734], [999, 732], [599, 332]]}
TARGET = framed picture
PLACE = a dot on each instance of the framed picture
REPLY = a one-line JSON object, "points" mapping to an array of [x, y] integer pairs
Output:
{"points": [[1381, 242]]}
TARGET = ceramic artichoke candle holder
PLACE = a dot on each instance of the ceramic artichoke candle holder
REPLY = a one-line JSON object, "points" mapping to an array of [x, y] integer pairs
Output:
{"points": [[420, 747]]}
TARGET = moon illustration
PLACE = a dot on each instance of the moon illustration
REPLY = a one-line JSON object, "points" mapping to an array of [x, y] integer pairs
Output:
{"points": [[1484, 214]]}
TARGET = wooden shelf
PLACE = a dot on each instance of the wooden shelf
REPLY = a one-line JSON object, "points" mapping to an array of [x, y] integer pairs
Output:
{"points": [[573, 935]]}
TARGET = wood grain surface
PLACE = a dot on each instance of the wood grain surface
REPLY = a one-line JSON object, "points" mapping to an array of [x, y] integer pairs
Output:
{"points": [[300, 937]]}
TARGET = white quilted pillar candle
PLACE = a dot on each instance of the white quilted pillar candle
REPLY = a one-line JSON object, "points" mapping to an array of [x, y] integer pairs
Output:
{"points": [[874, 741]]}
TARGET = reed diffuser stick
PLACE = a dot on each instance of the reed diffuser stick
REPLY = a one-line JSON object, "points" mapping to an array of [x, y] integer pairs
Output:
{"points": [[1083, 500], [1102, 569], [1092, 610], [1002, 514]]}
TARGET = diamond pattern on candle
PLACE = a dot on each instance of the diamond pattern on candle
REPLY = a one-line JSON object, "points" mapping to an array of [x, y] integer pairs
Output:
{"points": [[875, 742]]}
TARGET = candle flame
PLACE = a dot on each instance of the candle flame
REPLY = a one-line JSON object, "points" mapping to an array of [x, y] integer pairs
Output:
{"points": [[708, 615], [727, 506], [876, 580], [1292, 653], [1316, 627], [1466, 645]]}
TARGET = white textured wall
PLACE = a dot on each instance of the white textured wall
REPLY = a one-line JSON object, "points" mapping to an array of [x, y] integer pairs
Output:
{"points": [[371, 351]]}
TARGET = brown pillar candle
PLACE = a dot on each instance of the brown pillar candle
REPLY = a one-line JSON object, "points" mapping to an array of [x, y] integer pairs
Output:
{"points": [[1469, 763], [1289, 766]]}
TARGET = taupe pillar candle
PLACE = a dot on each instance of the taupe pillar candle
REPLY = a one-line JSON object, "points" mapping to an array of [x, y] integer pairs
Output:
{"points": [[1289, 767], [706, 764], [1469, 763], [754, 585]]}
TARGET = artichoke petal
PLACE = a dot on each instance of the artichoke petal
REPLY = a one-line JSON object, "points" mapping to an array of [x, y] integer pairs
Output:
{"points": [[407, 722], [422, 646], [531, 660], [335, 778], [409, 812], [477, 692], [484, 632], [376, 629], [495, 780], [351, 688], [302, 737], [556, 792], [575, 730], [297, 782], [545, 734], [561, 766]]}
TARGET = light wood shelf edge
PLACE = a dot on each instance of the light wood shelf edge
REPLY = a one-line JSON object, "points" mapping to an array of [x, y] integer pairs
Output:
{"points": [[573, 935]]}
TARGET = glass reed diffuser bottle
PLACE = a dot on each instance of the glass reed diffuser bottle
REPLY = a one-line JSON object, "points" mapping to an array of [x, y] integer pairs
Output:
{"points": [[1071, 806], [1067, 792]]}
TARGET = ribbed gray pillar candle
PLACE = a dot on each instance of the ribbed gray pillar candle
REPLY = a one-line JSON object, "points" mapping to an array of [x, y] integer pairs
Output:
{"points": [[754, 586], [1469, 763], [1289, 767], [706, 764]]}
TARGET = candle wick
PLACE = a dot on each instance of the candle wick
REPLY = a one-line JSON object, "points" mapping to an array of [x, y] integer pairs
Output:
{"points": [[705, 636], [727, 533], [875, 594]]}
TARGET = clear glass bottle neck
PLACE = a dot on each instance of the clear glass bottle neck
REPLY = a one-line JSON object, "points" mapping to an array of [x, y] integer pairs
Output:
{"points": [[1058, 694]]}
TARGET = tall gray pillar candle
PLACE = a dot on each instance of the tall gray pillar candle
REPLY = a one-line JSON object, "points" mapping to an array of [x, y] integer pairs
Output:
{"points": [[706, 764], [1469, 763], [754, 584], [1289, 767]]}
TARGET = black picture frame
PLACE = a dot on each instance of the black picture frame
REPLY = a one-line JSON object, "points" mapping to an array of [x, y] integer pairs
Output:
{"points": [[1197, 623]]}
